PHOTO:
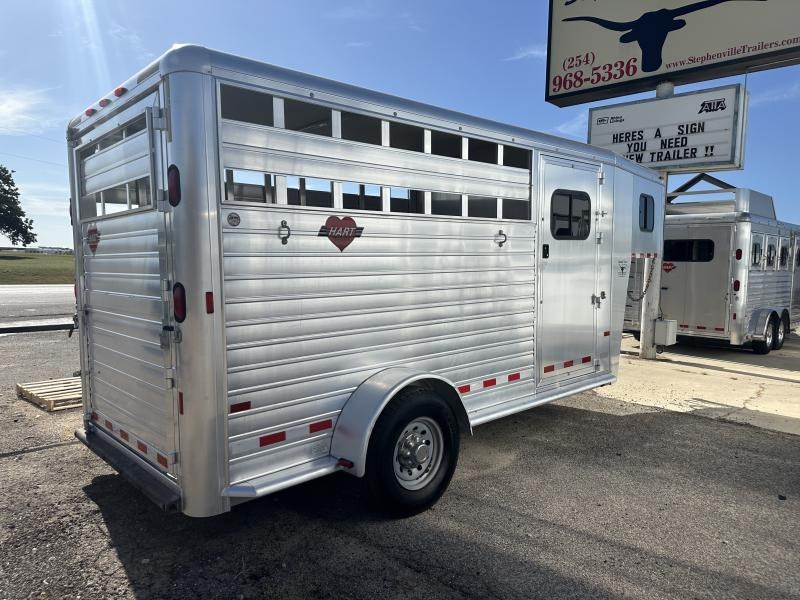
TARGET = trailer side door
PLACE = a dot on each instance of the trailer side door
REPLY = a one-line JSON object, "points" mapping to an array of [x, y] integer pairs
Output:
{"points": [[570, 201]]}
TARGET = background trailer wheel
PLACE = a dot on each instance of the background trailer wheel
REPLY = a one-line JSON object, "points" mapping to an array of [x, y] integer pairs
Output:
{"points": [[765, 346], [413, 452], [780, 334]]}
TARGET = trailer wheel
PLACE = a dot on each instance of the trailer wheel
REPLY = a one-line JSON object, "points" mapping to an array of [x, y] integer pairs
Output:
{"points": [[780, 334], [765, 346], [412, 452]]}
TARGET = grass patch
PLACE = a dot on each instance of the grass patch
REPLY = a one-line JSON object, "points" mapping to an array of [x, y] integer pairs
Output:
{"points": [[24, 267]]}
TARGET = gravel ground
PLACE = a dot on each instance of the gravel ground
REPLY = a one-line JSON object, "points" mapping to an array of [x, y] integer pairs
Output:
{"points": [[587, 498]]}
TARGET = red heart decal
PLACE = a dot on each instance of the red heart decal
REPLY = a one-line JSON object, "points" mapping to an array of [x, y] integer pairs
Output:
{"points": [[93, 237], [341, 231], [668, 266]]}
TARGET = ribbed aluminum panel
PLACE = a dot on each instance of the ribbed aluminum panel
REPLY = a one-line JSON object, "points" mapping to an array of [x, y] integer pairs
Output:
{"points": [[306, 323], [124, 317], [125, 161]]}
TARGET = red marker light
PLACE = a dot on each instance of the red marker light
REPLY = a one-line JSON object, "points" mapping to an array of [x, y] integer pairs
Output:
{"points": [[736, 285], [738, 254], [104, 102], [119, 91], [179, 302], [174, 185], [89, 112], [210, 303]]}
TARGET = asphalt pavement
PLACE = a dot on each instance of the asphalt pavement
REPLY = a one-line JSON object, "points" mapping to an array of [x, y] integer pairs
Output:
{"points": [[34, 302], [586, 498]]}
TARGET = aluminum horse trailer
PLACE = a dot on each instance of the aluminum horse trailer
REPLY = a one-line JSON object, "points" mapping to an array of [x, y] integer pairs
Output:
{"points": [[281, 276], [731, 270]]}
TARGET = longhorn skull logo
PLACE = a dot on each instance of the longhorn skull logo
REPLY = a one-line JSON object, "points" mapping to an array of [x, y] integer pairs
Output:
{"points": [[650, 30]]}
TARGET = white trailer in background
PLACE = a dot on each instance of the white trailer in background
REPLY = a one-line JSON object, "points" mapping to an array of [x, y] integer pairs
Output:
{"points": [[281, 276], [731, 270]]}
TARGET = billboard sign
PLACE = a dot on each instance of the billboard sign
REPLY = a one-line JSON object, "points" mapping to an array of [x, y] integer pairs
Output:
{"points": [[697, 131], [600, 49]]}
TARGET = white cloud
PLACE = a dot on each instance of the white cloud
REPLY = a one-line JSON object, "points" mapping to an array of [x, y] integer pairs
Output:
{"points": [[131, 39], [28, 110], [784, 94], [41, 198], [576, 127], [537, 51]]}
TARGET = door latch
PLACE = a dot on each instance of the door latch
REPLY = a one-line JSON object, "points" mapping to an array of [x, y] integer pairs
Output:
{"points": [[500, 238]]}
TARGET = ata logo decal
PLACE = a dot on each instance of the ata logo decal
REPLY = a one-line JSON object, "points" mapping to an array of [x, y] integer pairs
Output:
{"points": [[340, 232], [234, 219], [668, 267], [93, 237], [712, 106]]}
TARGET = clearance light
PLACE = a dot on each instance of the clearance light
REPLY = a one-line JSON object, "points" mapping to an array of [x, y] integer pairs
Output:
{"points": [[89, 112], [104, 102], [736, 285], [738, 254], [174, 185], [179, 302], [119, 91]]}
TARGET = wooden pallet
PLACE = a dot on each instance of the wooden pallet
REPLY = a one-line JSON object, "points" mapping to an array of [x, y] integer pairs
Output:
{"points": [[52, 395]]}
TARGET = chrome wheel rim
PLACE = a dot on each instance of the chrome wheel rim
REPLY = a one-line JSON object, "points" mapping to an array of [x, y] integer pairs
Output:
{"points": [[781, 332], [768, 339], [418, 453]]}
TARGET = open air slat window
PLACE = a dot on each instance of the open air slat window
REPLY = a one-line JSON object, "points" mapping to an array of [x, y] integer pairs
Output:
{"points": [[516, 157], [406, 137], [403, 200], [482, 206], [361, 196], [445, 144], [306, 191], [483, 151], [519, 210], [443, 203], [249, 186], [361, 128], [307, 118], [248, 106]]}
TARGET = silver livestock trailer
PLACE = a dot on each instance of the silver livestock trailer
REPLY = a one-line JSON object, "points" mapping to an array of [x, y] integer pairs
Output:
{"points": [[281, 276], [731, 270]]}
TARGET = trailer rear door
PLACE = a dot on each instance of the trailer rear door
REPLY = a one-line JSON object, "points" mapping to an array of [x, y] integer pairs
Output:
{"points": [[696, 280], [568, 267], [125, 288]]}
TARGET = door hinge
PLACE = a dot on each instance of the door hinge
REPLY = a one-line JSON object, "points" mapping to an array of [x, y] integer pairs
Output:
{"points": [[157, 120], [601, 177], [168, 332], [161, 200], [599, 237], [169, 376]]}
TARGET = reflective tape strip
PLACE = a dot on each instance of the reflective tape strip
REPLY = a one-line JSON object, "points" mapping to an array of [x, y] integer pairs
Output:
{"points": [[499, 380], [272, 438], [700, 326], [109, 425], [549, 368], [124, 435], [568, 364], [586, 359], [320, 426], [130, 440], [719, 329], [162, 460], [683, 326], [606, 333], [644, 255], [239, 407]]}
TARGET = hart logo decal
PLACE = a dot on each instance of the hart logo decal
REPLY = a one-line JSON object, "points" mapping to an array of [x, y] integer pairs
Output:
{"points": [[93, 237], [668, 266], [340, 232]]}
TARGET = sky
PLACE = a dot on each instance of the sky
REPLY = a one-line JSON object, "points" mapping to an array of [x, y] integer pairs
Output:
{"points": [[478, 57]]}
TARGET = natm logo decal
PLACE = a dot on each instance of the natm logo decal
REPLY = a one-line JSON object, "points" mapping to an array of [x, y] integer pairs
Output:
{"points": [[341, 232], [92, 237]]}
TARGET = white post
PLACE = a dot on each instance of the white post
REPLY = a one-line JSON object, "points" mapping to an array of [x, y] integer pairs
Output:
{"points": [[652, 299]]}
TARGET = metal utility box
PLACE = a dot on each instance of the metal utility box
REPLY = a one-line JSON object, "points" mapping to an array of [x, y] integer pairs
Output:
{"points": [[666, 332], [282, 276]]}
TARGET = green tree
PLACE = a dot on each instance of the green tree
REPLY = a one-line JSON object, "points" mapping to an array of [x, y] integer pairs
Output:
{"points": [[13, 223]]}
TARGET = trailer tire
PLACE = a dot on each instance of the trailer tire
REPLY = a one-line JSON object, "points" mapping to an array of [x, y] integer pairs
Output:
{"points": [[779, 336], [412, 452], [763, 347]]}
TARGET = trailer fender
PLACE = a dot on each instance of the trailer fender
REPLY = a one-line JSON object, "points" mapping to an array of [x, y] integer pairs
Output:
{"points": [[757, 327], [361, 411]]}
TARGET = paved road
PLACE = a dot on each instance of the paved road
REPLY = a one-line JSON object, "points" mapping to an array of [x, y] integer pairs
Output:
{"points": [[29, 302], [589, 498]]}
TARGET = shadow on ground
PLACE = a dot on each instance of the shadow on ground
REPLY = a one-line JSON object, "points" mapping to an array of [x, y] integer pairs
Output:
{"points": [[558, 502]]}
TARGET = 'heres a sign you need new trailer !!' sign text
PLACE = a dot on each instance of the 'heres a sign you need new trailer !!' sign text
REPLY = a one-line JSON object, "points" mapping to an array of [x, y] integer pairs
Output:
{"points": [[601, 49], [696, 131]]}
